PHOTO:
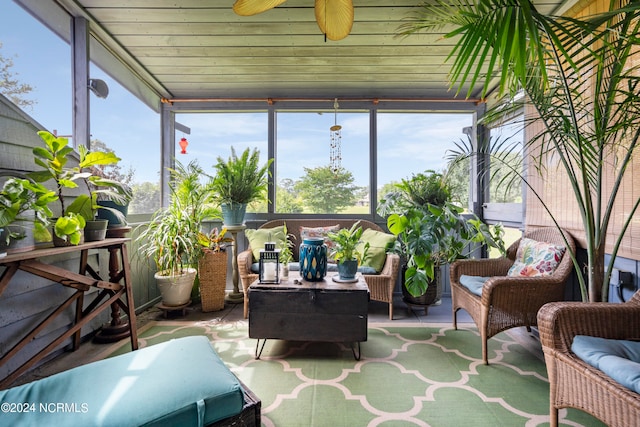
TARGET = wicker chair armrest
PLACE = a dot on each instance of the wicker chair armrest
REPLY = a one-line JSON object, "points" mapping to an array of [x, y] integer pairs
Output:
{"points": [[391, 265], [486, 267], [245, 259], [501, 286], [560, 322]]}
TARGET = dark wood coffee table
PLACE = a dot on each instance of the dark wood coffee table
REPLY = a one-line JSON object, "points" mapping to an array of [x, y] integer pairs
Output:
{"points": [[297, 310]]}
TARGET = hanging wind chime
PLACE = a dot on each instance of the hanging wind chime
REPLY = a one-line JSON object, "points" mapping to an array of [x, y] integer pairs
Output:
{"points": [[335, 141]]}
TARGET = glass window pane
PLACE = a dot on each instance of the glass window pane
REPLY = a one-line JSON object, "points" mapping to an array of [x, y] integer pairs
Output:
{"points": [[123, 124], [306, 180], [213, 134], [505, 184], [410, 143]]}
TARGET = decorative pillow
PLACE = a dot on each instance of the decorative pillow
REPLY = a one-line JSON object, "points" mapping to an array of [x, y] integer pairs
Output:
{"points": [[306, 232], [379, 243], [257, 239], [536, 258]]}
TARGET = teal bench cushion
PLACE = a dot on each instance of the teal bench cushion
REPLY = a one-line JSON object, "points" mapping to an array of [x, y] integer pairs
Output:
{"points": [[618, 359], [182, 382], [473, 283]]}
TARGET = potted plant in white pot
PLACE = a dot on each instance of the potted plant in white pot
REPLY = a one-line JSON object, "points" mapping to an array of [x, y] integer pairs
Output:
{"points": [[238, 181], [172, 237], [345, 250]]}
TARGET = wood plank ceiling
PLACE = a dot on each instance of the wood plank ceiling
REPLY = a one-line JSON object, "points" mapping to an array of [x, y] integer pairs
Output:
{"points": [[202, 49]]}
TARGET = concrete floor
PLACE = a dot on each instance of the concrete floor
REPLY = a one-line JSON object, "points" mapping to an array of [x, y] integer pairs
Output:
{"points": [[378, 313]]}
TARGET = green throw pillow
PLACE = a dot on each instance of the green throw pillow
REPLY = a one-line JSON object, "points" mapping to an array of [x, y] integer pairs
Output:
{"points": [[379, 242], [257, 239]]}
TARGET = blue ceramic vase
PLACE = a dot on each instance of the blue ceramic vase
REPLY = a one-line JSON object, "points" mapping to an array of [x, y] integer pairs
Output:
{"points": [[313, 259]]}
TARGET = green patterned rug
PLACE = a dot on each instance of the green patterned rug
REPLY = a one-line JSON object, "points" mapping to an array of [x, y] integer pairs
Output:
{"points": [[409, 375]]}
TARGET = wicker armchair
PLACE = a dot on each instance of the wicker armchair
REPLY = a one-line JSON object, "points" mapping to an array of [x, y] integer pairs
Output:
{"points": [[575, 384], [508, 302]]}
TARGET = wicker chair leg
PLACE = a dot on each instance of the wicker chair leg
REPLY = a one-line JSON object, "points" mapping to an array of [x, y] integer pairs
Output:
{"points": [[390, 310], [484, 332], [553, 414], [246, 306], [455, 319]]}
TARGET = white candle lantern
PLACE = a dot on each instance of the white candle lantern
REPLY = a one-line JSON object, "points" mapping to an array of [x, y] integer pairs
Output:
{"points": [[269, 263]]}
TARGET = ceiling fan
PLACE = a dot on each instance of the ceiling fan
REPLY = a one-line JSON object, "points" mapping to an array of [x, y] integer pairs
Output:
{"points": [[334, 17]]}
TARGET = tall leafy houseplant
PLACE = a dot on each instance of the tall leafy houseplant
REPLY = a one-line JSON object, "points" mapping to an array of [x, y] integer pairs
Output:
{"points": [[53, 158], [581, 76], [238, 181], [431, 230], [172, 239]]}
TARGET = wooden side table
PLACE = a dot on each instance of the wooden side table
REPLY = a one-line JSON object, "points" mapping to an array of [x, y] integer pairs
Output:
{"points": [[109, 295]]}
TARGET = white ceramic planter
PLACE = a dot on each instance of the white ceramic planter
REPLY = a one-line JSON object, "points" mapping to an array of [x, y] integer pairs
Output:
{"points": [[176, 290]]}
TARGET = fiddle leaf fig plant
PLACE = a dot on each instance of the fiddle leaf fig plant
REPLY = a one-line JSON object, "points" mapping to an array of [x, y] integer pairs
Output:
{"points": [[53, 159]]}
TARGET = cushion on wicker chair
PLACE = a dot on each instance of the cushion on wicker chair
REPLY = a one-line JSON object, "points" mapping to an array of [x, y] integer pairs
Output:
{"points": [[618, 359], [473, 283], [536, 258]]}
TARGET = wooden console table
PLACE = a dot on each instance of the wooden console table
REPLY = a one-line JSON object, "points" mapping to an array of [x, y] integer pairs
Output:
{"points": [[82, 281]]}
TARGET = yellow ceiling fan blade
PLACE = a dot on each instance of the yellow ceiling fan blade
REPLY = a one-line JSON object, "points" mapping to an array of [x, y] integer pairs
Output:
{"points": [[334, 17], [253, 7]]}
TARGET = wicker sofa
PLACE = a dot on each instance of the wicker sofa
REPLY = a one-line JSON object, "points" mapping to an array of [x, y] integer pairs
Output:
{"points": [[380, 285], [576, 384]]}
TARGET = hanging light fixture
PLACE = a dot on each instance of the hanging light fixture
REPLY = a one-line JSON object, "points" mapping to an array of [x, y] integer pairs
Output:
{"points": [[335, 141], [183, 145]]}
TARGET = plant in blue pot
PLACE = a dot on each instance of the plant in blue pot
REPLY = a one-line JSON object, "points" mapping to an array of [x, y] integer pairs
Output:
{"points": [[238, 181], [345, 250]]}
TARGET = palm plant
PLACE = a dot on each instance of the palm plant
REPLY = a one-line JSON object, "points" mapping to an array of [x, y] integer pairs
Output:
{"points": [[581, 77]]}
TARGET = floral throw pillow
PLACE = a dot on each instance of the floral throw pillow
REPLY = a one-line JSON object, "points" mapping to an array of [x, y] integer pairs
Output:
{"points": [[306, 232], [536, 258]]}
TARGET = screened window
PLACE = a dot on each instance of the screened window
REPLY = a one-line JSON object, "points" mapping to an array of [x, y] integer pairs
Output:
{"points": [[307, 180]]}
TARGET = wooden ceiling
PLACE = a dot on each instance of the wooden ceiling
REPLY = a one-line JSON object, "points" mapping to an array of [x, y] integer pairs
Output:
{"points": [[202, 49]]}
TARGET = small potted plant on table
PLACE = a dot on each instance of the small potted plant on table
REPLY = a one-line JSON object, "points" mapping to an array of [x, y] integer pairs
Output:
{"points": [[345, 250], [24, 211], [53, 158]]}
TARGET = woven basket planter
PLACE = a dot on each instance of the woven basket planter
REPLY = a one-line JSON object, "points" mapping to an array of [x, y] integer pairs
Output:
{"points": [[212, 270]]}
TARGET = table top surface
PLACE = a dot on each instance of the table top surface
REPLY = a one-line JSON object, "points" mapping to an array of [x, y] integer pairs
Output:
{"points": [[49, 250], [295, 282]]}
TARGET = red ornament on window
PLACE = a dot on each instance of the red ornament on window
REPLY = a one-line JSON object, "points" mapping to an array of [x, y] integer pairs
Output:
{"points": [[183, 145]]}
